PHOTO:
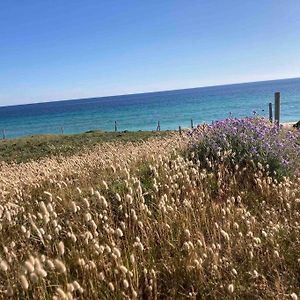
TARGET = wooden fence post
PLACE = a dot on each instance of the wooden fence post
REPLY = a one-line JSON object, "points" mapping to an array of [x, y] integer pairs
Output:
{"points": [[192, 124], [277, 108], [270, 112], [158, 126], [116, 128], [180, 130]]}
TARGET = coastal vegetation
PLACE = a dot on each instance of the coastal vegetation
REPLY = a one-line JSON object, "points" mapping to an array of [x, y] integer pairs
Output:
{"points": [[40, 146], [211, 214]]}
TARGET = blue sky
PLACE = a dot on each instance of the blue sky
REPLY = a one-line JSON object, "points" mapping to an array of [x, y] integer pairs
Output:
{"points": [[53, 49]]}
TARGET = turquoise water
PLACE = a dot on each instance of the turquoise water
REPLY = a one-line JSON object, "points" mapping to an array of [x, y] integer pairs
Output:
{"points": [[142, 111]]}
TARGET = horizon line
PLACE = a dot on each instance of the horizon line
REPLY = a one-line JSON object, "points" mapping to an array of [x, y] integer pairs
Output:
{"points": [[148, 92]]}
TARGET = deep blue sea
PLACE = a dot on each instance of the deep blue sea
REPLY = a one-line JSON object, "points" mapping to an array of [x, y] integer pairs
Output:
{"points": [[142, 111]]}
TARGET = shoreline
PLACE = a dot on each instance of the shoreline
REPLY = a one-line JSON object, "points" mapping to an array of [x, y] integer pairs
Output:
{"points": [[286, 124], [23, 149]]}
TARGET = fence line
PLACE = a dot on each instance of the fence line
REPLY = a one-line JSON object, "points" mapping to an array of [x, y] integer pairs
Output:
{"points": [[270, 112], [277, 107], [277, 118]]}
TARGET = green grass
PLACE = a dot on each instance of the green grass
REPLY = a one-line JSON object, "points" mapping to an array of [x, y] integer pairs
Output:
{"points": [[41, 146]]}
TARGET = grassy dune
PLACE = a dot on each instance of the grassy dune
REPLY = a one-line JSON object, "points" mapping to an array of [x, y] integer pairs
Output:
{"points": [[41, 146], [162, 219]]}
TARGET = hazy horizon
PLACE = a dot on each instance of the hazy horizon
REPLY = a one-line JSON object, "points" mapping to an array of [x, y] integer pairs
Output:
{"points": [[149, 92]]}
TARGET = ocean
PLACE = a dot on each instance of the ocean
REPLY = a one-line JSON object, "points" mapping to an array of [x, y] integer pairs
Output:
{"points": [[143, 111]]}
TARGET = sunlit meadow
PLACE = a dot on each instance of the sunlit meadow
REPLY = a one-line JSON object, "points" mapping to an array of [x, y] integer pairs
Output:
{"points": [[211, 214]]}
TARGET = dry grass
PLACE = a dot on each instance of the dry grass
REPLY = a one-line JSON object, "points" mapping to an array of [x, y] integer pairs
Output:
{"points": [[37, 147], [141, 222]]}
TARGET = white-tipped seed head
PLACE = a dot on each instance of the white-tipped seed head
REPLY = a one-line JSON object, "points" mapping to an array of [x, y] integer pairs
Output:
{"points": [[119, 232], [61, 248], [111, 286], [230, 288], [294, 296], [59, 265], [3, 265], [24, 282], [126, 284], [123, 269]]}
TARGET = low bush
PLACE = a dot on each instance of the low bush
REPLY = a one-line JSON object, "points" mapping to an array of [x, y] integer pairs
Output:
{"points": [[247, 142]]}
